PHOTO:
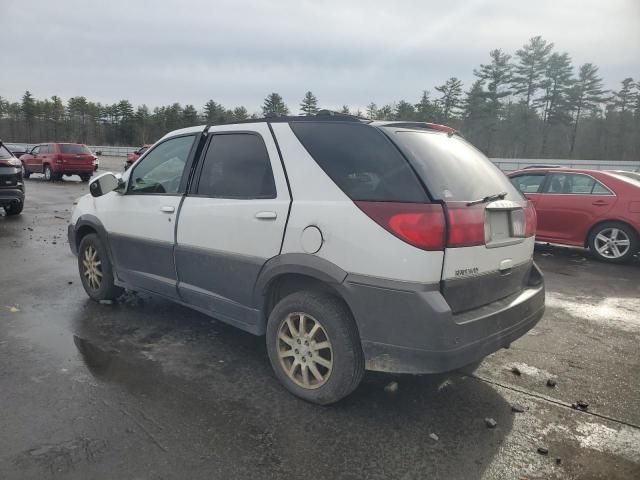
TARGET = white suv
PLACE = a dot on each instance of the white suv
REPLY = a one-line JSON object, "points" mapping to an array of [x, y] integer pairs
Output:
{"points": [[353, 245]]}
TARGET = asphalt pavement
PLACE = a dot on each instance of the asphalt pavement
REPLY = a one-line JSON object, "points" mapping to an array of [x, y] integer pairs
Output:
{"points": [[145, 389]]}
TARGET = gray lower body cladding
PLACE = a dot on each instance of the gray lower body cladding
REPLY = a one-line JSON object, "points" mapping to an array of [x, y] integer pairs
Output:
{"points": [[409, 328]]}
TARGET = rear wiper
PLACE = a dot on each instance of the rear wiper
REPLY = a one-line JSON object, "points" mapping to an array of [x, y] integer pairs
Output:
{"points": [[488, 198]]}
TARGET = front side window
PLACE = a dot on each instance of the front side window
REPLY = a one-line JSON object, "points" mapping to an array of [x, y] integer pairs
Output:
{"points": [[237, 166], [528, 183], [161, 170], [36, 150]]}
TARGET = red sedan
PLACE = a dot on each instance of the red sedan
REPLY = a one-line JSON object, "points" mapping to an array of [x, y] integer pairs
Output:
{"points": [[133, 156], [585, 208]]}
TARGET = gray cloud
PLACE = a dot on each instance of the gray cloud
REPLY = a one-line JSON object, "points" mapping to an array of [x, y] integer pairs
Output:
{"points": [[238, 51]]}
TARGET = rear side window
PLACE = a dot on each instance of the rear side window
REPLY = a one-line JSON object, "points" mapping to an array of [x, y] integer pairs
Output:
{"points": [[71, 148], [361, 161], [452, 168], [528, 183], [575, 184], [237, 166]]}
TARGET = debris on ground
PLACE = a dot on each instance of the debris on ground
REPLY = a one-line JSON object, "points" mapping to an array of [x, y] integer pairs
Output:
{"points": [[433, 436], [551, 383], [58, 216], [580, 405], [490, 423], [543, 450], [391, 387], [69, 282], [13, 309], [518, 408], [558, 461], [106, 302], [516, 371]]}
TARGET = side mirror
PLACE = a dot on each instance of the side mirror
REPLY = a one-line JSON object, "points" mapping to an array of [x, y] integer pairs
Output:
{"points": [[105, 183]]}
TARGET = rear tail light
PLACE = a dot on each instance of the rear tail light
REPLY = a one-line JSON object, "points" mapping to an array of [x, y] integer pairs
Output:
{"points": [[531, 220], [466, 225], [419, 224]]}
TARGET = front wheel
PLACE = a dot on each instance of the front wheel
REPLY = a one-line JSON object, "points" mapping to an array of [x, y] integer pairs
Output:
{"points": [[25, 173], [95, 269], [48, 174], [85, 177], [613, 242], [14, 209], [314, 347]]}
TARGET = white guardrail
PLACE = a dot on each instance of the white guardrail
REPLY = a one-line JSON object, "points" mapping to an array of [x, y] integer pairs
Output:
{"points": [[505, 164]]}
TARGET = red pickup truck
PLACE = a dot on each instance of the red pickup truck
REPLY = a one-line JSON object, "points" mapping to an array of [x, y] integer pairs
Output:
{"points": [[58, 159]]}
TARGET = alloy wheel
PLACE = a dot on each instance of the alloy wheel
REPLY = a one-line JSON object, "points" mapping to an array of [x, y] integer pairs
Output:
{"points": [[612, 243], [92, 267], [304, 350]]}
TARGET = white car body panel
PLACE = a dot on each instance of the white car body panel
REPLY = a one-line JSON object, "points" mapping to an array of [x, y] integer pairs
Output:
{"points": [[351, 239]]}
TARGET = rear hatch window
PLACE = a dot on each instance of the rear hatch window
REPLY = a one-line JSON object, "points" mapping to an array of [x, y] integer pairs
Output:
{"points": [[489, 247], [74, 149], [452, 168]]}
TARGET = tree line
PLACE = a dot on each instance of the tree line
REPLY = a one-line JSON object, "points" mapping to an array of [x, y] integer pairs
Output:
{"points": [[532, 104]]}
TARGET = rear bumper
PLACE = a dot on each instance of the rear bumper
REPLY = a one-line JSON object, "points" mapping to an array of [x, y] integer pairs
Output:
{"points": [[74, 169], [411, 329], [11, 195]]}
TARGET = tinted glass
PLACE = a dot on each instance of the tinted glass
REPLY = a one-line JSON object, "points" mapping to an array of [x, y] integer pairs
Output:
{"points": [[72, 148], [452, 168], [361, 161], [161, 170], [570, 184], [237, 166], [36, 150], [528, 183], [599, 189]]}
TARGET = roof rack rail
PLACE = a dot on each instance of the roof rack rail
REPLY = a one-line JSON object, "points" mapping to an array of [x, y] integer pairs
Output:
{"points": [[322, 115], [541, 166]]}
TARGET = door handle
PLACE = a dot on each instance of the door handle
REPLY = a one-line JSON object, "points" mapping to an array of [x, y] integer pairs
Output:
{"points": [[266, 215], [167, 209], [600, 203]]}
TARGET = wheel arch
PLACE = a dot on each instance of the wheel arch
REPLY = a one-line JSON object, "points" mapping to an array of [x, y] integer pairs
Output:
{"points": [[87, 224], [289, 273]]}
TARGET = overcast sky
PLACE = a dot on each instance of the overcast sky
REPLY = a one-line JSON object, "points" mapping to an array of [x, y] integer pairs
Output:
{"points": [[237, 51]]}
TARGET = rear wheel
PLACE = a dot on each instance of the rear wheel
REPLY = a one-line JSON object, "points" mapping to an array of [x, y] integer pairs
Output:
{"points": [[48, 174], [613, 242], [314, 347], [14, 209], [95, 269], [85, 177]]}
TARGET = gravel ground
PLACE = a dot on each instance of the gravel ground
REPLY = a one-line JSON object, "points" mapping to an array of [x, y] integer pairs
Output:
{"points": [[147, 389]]}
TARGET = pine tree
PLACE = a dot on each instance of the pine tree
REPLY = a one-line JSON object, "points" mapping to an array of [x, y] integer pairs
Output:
{"points": [[426, 110], [385, 112], [309, 104], [29, 112], [190, 116], [345, 110], [240, 113], [404, 111], [624, 98], [528, 72], [274, 105], [214, 113], [586, 94], [451, 98], [372, 111]]}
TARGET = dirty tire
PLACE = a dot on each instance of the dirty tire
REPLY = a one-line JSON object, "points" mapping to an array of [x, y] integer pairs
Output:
{"points": [[48, 174], [606, 228], [85, 177], [107, 290], [14, 208], [341, 331]]}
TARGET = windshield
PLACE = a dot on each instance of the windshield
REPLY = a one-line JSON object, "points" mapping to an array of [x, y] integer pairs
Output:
{"points": [[452, 168], [74, 148]]}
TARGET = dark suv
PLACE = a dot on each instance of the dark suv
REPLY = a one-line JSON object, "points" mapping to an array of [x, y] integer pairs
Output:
{"points": [[11, 184]]}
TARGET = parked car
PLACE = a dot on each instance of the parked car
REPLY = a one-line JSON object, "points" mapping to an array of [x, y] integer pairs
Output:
{"points": [[57, 159], [585, 208], [12, 189], [132, 157], [395, 247], [17, 150]]}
